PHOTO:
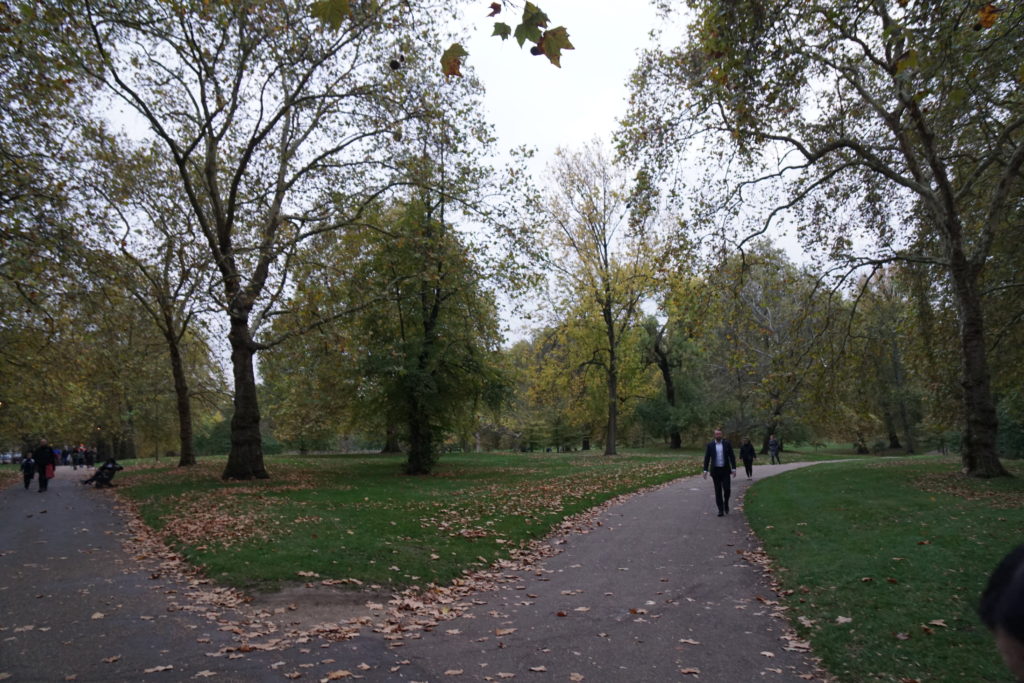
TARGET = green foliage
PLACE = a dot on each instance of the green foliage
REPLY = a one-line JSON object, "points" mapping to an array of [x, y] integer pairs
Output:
{"points": [[895, 547]]}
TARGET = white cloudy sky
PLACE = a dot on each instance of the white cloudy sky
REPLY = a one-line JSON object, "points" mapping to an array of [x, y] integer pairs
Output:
{"points": [[530, 101]]}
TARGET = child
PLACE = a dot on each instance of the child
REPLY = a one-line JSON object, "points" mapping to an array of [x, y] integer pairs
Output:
{"points": [[28, 470]]}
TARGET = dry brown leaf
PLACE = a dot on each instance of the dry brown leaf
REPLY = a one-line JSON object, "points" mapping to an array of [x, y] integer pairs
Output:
{"points": [[206, 673], [689, 641], [337, 675], [938, 622], [575, 677], [538, 669], [844, 620], [157, 669], [504, 631], [97, 615], [690, 671], [453, 672], [505, 674], [111, 659], [767, 654]]}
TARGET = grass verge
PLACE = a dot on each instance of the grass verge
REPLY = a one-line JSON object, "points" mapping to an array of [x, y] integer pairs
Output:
{"points": [[882, 563], [359, 518]]}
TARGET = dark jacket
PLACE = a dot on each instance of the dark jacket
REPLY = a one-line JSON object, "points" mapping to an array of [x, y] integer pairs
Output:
{"points": [[730, 457], [43, 455], [747, 453]]}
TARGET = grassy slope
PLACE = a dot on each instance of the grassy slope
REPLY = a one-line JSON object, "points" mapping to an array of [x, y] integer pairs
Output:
{"points": [[893, 545]]}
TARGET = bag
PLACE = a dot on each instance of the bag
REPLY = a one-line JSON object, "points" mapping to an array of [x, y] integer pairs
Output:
{"points": [[49, 471]]}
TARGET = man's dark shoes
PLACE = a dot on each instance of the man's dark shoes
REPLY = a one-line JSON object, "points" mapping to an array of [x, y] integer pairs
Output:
{"points": [[720, 513]]}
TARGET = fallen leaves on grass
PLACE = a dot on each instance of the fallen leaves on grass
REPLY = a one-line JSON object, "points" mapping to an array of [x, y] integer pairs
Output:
{"points": [[843, 620]]}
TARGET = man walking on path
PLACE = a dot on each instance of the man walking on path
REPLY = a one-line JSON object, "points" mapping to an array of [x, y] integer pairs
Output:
{"points": [[43, 455], [773, 450], [720, 456]]}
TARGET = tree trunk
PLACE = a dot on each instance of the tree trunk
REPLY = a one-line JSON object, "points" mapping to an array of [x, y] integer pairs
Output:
{"points": [[978, 453], [184, 403], [421, 448], [661, 359], [612, 433], [245, 460], [391, 444]]}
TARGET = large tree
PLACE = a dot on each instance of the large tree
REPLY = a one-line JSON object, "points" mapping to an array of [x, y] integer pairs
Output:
{"points": [[604, 257], [278, 128], [888, 116]]}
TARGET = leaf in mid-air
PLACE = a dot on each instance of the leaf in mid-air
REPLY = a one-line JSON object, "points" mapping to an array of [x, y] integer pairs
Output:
{"points": [[451, 60], [530, 28], [502, 29], [553, 42], [331, 12], [495, 9], [987, 15]]}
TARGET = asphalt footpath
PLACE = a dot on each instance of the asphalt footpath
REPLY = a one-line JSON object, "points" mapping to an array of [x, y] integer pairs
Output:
{"points": [[654, 588]]}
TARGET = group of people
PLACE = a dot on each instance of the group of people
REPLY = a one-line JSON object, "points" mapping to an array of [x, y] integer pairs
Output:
{"points": [[720, 461], [43, 461]]}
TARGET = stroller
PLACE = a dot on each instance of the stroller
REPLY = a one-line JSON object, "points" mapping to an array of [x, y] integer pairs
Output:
{"points": [[104, 474]]}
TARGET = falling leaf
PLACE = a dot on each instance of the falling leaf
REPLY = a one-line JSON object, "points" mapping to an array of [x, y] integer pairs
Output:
{"points": [[495, 9], [553, 42], [331, 12], [844, 620], [451, 60], [987, 15]]}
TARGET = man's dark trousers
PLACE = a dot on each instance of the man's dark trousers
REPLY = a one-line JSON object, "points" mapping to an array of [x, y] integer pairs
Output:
{"points": [[723, 487]]}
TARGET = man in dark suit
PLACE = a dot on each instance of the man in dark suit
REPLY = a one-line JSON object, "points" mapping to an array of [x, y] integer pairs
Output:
{"points": [[721, 459]]}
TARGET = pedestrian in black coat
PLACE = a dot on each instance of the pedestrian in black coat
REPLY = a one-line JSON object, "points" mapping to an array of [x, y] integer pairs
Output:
{"points": [[747, 455], [28, 470], [43, 455], [720, 456]]}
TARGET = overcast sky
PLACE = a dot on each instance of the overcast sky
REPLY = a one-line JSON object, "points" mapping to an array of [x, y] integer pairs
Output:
{"points": [[532, 102]]}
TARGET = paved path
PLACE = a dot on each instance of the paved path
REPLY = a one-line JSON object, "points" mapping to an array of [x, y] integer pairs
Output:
{"points": [[658, 589]]}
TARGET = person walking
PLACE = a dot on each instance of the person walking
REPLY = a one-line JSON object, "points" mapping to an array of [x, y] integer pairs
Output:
{"points": [[722, 461], [747, 455], [28, 470], [1002, 607], [45, 462], [773, 450]]}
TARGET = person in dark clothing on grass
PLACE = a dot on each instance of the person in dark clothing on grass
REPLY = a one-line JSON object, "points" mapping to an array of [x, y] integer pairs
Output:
{"points": [[747, 455], [45, 462], [722, 460]]}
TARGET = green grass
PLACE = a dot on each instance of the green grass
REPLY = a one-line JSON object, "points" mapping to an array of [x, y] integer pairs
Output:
{"points": [[359, 517], [894, 545]]}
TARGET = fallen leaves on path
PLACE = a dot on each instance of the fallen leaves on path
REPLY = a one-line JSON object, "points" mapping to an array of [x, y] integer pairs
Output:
{"points": [[158, 669]]}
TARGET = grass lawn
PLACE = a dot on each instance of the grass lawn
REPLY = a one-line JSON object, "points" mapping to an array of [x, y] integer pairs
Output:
{"points": [[358, 517], [901, 548]]}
